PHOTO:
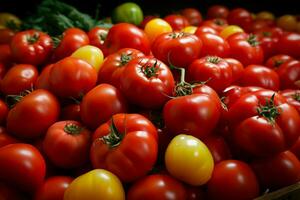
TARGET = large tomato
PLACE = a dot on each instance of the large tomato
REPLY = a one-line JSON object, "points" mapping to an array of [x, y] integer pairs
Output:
{"points": [[97, 36], [236, 67], [99, 104], [289, 43], [126, 145], [292, 97], [177, 22], [6, 35], [193, 16], [31, 47], [67, 143], [42, 81], [233, 179], [157, 186], [217, 11], [6, 57], [147, 82], [5, 138], [240, 17], [3, 112], [177, 48], [22, 165], [289, 74], [217, 24], [274, 62], [33, 114], [8, 192]]}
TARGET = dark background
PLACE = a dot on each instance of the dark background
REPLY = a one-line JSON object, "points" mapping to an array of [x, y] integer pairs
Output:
{"points": [[25, 7]]}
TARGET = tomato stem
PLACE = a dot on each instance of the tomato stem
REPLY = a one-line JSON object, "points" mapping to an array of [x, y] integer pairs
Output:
{"points": [[72, 129], [296, 96], [277, 63], [32, 39], [114, 138], [125, 58], [252, 40], [12, 100], [270, 111], [213, 59], [150, 71]]}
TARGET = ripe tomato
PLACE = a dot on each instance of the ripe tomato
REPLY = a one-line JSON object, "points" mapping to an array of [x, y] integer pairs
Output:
{"points": [[177, 22], [295, 149], [156, 27], [128, 12], [292, 97], [71, 112], [97, 36], [125, 146], [67, 143], [53, 188], [218, 147], [236, 67], [33, 114], [42, 81], [233, 179], [8, 192], [230, 30], [274, 62], [240, 17], [189, 29], [6, 55], [218, 24], [287, 22], [146, 19], [189, 160], [135, 38], [100, 103], [6, 35], [94, 185], [268, 42], [19, 78], [2, 70], [5, 138], [23, 166], [114, 65], [217, 11], [157, 187], [289, 43], [3, 112], [177, 48], [147, 82], [72, 77], [193, 16], [31, 47], [289, 74], [205, 29]]}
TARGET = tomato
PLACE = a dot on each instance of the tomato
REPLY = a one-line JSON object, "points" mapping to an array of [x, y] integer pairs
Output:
{"points": [[265, 15], [189, 160], [147, 82], [274, 62], [189, 29], [100, 103], [156, 27], [295, 149], [97, 36], [233, 179], [125, 147], [236, 67], [72, 77], [289, 43], [195, 193], [193, 16], [245, 48], [128, 12], [6, 35], [261, 76], [289, 74], [23, 166], [177, 48], [268, 169], [215, 70], [240, 17], [3, 112], [42, 81], [8, 18], [135, 38], [230, 30], [90, 54], [217, 11], [268, 42], [287, 22], [205, 29], [157, 186], [94, 185], [146, 19], [38, 106], [2, 71], [292, 97], [213, 45], [71, 40], [114, 65], [71, 112], [218, 24], [53, 188], [5, 138], [218, 148], [6, 55], [19, 78], [177, 22], [67, 143], [8, 192], [268, 124]]}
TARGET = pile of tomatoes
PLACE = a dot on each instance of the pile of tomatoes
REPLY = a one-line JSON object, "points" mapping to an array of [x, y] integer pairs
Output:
{"points": [[181, 107]]}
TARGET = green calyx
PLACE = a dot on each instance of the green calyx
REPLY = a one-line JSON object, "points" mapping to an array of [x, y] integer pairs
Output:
{"points": [[269, 111], [72, 129], [125, 58], [213, 59], [150, 71], [114, 138], [252, 40], [32, 39]]}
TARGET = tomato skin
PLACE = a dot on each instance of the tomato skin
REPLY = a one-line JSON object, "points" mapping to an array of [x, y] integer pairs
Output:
{"points": [[71, 112], [147, 89], [5, 138], [6, 35], [267, 169], [53, 188], [177, 48], [233, 179], [156, 27], [3, 112], [260, 76], [289, 74], [72, 39], [289, 43], [218, 24], [100, 103], [292, 97], [218, 148], [97, 36], [240, 17], [114, 65], [72, 77], [8, 192], [205, 29], [193, 16], [274, 62], [157, 186], [236, 67], [42, 81], [19, 78], [135, 38], [195, 193], [177, 22], [244, 48], [128, 12], [217, 11], [6, 55], [2, 70], [23, 166], [38, 106]]}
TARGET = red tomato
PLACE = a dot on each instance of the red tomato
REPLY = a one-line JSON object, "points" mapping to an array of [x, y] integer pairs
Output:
{"points": [[261, 76], [6, 55], [233, 179], [217, 11], [23, 166], [245, 48], [278, 171], [177, 22], [218, 148], [268, 43], [100, 104], [72, 39], [67, 144], [292, 97], [42, 81], [289, 43], [114, 64], [177, 48], [3, 112], [135, 38], [158, 187], [205, 29], [5, 138], [53, 188], [97, 36], [236, 67], [147, 82], [33, 114], [124, 146], [71, 112], [261, 24], [72, 77], [193, 16], [195, 193], [274, 62], [240, 17], [6, 35], [146, 19], [8, 192], [218, 24], [2, 71], [289, 74], [295, 149], [216, 71], [19, 78]]}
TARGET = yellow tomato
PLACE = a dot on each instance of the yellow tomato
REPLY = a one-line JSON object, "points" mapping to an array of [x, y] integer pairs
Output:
{"points": [[98, 184], [7, 17], [229, 30], [287, 22], [189, 160], [155, 27], [190, 29], [265, 15], [91, 54]]}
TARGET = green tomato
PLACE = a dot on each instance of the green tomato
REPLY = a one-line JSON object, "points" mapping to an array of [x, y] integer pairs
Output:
{"points": [[128, 12]]}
